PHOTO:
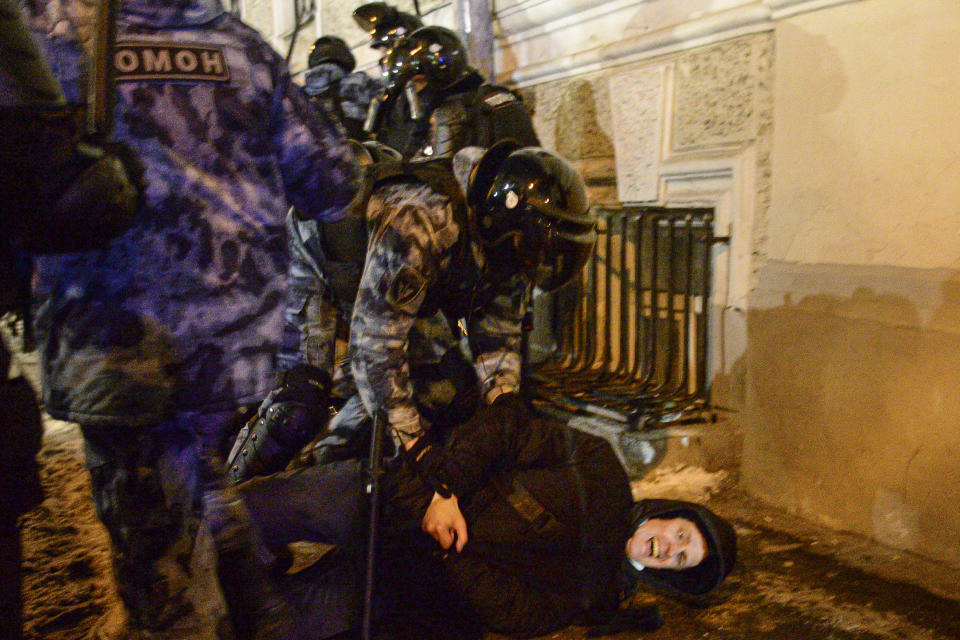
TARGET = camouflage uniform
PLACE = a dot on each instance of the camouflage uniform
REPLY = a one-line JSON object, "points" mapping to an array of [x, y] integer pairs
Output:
{"points": [[154, 342], [344, 97], [421, 258]]}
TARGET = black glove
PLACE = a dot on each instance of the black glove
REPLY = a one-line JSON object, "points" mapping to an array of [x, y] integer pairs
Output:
{"points": [[290, 416], [641, 619], [426, 457]]}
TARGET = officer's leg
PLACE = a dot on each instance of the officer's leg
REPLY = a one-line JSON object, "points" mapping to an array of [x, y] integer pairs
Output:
{"points": [[310, 319], [310, 326], [146, 489], [129, 500]]}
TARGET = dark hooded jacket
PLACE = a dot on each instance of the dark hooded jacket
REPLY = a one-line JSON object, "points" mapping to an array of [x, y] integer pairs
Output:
{"points": [[548, 511]]}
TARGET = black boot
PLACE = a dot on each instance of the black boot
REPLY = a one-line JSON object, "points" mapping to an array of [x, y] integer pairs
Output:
{"points": [[257, 609]]}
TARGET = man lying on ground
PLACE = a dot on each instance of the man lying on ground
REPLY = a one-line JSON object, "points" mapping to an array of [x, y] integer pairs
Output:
{"points": [[517, 524]]}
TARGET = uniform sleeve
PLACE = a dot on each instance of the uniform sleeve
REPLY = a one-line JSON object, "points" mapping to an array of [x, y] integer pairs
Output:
{"points": [[495, 339], [320, 174], [499, 437], [403, 258], [505, 602], [309, 317]]}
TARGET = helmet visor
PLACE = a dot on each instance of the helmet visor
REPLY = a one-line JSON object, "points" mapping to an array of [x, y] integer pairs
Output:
{"points": [[557, 257]]}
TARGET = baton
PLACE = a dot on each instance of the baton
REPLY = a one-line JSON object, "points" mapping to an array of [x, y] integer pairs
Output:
{"points": [[374, 471]]}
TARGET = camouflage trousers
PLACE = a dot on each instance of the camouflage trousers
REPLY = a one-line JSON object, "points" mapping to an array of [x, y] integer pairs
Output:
{"points": [[147, 486]]}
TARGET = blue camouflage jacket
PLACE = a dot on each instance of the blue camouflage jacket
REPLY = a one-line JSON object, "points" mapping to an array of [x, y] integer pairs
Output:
{"points": [[182, 313]]}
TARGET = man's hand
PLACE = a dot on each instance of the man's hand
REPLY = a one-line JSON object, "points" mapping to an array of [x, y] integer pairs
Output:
{"points": [[445, 523]]}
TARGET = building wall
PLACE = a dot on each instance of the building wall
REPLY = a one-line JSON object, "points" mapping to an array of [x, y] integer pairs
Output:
{"points": [[853, 323]]}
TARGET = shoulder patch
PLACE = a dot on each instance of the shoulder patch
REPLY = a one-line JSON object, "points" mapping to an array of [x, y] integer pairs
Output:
{"points": [[499, 99], [170, 61]]}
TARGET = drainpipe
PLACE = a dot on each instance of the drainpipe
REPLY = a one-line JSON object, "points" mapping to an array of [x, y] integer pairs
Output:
{"points": [[475, 21]]}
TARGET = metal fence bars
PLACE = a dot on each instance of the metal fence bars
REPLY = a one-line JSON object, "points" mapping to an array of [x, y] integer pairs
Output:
{"points": [[630, 337]]}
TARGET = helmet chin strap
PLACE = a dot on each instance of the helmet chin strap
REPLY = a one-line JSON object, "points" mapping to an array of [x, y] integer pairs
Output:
{"points": [[421, 101]]}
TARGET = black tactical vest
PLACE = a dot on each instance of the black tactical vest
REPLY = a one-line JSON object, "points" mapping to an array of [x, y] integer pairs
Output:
{"points": [[459, 290]]}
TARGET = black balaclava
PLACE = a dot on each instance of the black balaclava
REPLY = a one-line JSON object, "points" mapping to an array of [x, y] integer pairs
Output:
{"points": [[692, 585]]}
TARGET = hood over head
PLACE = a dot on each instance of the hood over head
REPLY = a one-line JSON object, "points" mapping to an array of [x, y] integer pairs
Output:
{"points": [[695, 583]]}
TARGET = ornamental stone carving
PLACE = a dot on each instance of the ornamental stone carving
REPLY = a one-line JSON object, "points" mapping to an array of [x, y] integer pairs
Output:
{"points": [[636, 99], [714, 96]]}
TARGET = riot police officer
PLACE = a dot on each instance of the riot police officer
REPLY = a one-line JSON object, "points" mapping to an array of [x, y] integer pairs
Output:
{"points": [[428, 252], [431, 71], [332, 83], [153, 343], [525, 220], [389, 122]]}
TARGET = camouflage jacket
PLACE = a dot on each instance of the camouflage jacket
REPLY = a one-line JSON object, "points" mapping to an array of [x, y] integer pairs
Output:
{"points": [[344, 97], [417, 243], [183, 312]]}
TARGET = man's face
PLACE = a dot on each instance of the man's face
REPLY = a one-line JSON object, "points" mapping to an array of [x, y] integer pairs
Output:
{"points": [[674, 543]]}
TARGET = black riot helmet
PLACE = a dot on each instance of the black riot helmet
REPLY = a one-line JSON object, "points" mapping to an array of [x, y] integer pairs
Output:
{"points": [[384, 24], [434, 52], [331, 49], [437, 54], [531, 214]]}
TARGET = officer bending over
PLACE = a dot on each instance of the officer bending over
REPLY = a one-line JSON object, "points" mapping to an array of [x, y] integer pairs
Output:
{"points": [[429, 250]]}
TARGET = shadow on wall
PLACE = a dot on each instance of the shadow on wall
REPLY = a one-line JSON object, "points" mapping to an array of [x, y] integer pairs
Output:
{"points": [[851, 415], [578, 132], [813, 59]]}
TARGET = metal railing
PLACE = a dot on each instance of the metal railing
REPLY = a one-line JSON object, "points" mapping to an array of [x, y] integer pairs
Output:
{"points": [[630, 338]]}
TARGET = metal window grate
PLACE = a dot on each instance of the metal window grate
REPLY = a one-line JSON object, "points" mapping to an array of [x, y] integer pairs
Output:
{"points": [[631, 336], [303, 9]]}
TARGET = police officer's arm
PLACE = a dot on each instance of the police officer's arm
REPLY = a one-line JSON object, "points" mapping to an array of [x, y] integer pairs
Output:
{"points": [[504, 435], [495, 337], [320, 174], [413, 230]]}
